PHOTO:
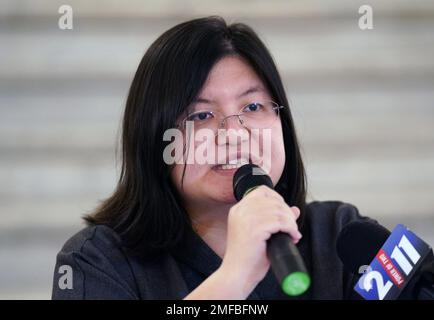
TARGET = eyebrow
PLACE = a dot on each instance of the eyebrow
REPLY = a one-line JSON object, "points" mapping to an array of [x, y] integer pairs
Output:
{"points": [[250, 90]]}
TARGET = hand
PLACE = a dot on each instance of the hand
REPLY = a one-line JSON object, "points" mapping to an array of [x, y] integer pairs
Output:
{"points": [[251, 222]]}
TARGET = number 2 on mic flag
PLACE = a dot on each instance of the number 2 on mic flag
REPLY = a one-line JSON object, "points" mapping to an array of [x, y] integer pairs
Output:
{"points": [[393, 266]]}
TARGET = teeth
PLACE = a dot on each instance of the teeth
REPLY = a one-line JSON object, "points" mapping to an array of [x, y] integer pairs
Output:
{"points": [[230, 166], [233, 164], [243, 161], [239, 161]]}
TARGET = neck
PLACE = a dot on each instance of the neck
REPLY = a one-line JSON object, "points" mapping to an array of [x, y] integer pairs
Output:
{"points": [[211, 225]]}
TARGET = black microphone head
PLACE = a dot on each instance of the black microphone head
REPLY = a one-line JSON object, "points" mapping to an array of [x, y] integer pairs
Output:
{"points": [[249, 176], [358, 243]]}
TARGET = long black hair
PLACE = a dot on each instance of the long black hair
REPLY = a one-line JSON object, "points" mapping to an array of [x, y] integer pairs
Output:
{"points": [[146, 209]]}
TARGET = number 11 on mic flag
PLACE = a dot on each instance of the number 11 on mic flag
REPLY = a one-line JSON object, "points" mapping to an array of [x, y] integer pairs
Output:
{"points": [[393, 266]]}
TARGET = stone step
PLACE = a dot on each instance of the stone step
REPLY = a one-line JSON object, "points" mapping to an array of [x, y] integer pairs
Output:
{"points": [[350, 50], [187, 8]]}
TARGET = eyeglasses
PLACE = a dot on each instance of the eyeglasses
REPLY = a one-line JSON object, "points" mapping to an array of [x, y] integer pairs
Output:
{"points": [[254, 115]]}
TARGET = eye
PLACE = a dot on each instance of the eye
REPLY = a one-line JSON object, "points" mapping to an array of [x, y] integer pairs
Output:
{"points": [[253, 107], [200, 116]]}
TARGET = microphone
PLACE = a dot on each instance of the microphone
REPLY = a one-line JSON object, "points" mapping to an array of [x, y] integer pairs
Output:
{"points": [[399, 264], [285, 259], [358, 243]]}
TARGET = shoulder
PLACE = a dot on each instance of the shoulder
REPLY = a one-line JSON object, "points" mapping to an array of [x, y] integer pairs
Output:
{"points": [[93, 238], [327, 218], [98, 267], [323, 223], [333, 211], [102, 267]]}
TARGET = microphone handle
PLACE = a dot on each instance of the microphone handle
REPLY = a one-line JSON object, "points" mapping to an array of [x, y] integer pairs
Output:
{"points": [[287, 264]]}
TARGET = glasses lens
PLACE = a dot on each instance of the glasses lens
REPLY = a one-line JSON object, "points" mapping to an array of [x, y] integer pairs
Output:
{"points": [[260, 115], [203, 120], [255, 115]]}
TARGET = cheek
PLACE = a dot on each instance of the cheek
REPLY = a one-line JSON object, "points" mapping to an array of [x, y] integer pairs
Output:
{"points": [[278, 144], [176, 175], [193, 173], [185, 154], [277, 154]]}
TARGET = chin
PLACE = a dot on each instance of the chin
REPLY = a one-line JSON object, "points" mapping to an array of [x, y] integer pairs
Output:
{"points": [[224, 197], [222, 192], [220, 188]]}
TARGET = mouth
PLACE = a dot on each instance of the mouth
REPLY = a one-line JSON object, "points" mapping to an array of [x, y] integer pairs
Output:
{"points": [[232, 164]]}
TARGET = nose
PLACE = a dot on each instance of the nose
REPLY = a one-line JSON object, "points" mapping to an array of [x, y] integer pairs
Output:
{"points": [[230, 130], [235, 120]]}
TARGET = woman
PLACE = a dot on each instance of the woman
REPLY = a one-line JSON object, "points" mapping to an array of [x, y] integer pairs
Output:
{"points": [[173, 229]]}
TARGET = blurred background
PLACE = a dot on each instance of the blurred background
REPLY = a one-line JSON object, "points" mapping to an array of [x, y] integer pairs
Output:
{"points": [[362, 102]]}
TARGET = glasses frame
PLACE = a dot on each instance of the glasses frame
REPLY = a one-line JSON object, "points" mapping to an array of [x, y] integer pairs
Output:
{"points": [[239, 115]]}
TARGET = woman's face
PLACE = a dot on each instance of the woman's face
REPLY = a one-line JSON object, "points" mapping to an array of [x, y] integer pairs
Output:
{"points": [[231, 85]]}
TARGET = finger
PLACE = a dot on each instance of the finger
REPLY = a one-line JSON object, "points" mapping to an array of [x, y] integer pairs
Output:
{"points": [[295, 212], [259, 191], [264, 191], [282, 221], [291, 227], [282, 205]]}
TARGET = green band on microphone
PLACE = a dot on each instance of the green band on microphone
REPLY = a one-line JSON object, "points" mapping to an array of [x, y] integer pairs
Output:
{"points": [[249, 190], [296, 283]]}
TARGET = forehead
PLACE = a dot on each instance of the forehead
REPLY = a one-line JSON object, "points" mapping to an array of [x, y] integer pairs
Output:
{"points": [[229, 78]]}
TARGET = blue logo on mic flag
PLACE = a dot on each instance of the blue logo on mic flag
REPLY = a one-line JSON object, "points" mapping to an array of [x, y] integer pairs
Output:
{"points": [[393, 266]]}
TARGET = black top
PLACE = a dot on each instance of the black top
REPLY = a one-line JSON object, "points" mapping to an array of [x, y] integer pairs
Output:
{"points": [[102, 268]]}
